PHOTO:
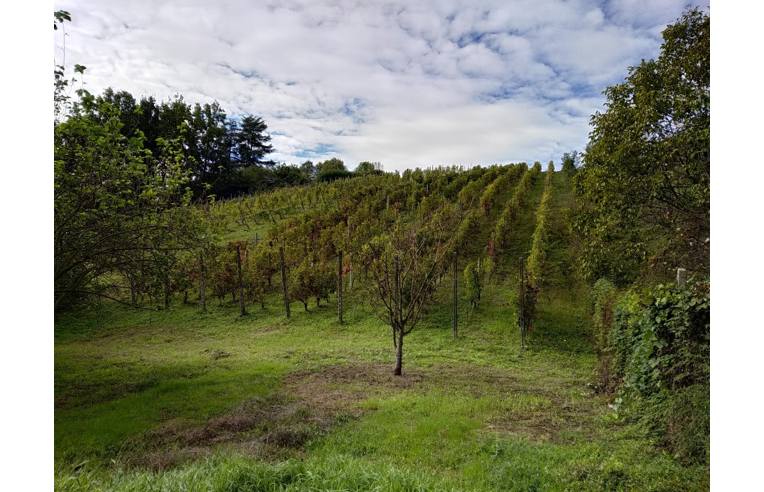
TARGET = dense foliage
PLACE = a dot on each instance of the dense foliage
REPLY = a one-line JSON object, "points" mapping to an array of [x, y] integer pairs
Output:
{"points": [[644, 187], [117, 206], [656, 347], [215, 148]]}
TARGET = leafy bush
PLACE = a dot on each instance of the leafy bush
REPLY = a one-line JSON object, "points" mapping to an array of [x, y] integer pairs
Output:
{"points": [[473, 282], [660, 344], [671, 340]]}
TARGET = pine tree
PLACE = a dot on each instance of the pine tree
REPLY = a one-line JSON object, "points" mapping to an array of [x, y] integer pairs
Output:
{"points": [[252, 143]]}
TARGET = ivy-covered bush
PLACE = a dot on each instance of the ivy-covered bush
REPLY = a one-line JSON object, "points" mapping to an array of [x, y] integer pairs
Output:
{"points": [[660, 348], [670, 334]]}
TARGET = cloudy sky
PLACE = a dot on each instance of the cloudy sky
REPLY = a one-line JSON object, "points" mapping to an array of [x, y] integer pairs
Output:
{"points": [[404, 83]]}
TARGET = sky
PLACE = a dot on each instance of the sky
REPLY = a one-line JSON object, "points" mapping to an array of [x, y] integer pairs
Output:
{"points": [[408, 84]]}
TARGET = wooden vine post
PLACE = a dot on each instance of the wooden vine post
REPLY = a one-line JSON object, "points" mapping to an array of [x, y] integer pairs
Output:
{"points": [[350, 259], [202, 283], [339, 286], [242, 307], [522, 309], [284, 280], [681, 277], [455, 317]]}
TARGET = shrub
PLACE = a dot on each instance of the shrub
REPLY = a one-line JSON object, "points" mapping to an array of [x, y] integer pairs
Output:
{"points": [[671, 346], [660, 343], [473, 282]]}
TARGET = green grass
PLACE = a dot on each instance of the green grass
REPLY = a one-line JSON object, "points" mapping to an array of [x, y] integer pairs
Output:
{"points": [[475, 413]]}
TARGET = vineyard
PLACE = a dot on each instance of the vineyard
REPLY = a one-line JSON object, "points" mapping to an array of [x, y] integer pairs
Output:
{"points": [[227, 322], [277, 336]]}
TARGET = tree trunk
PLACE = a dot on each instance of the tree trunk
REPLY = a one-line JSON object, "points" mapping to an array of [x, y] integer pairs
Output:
{"points": [[398, 304], [284, 282], [202, 284], [399, 355], [521, 317], [339, 286], [398, 300]]}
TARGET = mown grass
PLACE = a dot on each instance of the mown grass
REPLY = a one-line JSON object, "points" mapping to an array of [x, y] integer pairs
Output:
{"points": [[475, 413]]}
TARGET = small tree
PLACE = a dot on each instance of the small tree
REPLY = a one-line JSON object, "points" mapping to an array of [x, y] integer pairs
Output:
{"points": [[301, 282], [324, 281], [256, 281], [473, 282], [404, 268]]}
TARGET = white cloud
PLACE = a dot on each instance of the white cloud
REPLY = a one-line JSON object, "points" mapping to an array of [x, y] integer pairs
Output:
{"points": [[501, 132], [405, 83]]}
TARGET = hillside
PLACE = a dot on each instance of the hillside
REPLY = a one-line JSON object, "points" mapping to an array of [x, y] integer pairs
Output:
{"points": [[175, 398]]}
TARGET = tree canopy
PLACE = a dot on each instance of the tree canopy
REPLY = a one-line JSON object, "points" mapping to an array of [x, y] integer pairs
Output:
{"points": [[644, 186], [215, 147]]}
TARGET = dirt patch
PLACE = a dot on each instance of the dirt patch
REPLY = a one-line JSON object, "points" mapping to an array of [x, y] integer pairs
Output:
{"points": [[311, 402], [307, 406], [557, 417], [265, 427], [338, 389]]}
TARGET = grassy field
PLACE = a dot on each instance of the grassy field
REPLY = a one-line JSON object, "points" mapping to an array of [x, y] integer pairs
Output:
{"points": [[179, 400]]}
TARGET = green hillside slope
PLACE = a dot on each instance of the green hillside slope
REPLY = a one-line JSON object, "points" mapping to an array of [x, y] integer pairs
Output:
{"points": [[177, 399]]}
